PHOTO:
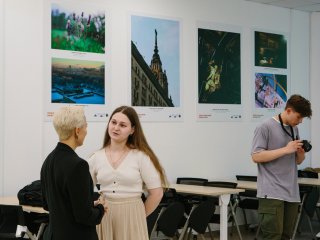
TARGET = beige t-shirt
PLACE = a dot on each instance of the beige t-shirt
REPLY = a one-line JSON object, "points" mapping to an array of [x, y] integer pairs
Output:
{"points": [[128, 178]]}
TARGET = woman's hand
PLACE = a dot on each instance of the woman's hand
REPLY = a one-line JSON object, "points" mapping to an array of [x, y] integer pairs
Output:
{"points": [[102, 200], [153, 200]]}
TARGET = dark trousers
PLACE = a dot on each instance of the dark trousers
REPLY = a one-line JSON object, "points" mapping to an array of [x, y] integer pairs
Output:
{"points": [[277, 218]]}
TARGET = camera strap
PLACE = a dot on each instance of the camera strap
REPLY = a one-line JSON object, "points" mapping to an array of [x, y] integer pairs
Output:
{"points": [[284, 129]]}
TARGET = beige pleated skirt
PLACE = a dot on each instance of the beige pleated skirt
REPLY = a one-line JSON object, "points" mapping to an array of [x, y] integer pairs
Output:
{"points": [[124, 220]]}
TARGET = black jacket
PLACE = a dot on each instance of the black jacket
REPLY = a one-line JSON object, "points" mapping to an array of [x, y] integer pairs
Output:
{"points": [[67, 190]]}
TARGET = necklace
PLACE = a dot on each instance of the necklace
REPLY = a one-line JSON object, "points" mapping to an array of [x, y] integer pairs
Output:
{"points": [[117, 157]]}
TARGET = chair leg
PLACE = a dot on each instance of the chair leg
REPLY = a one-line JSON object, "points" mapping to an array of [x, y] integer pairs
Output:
{"points": [[41, 229], [236, 222], [156, 222], [202, 237], [299, 216], [238, 229], [318, 213], [189, 234], [210, 232], [30, 235], [310, 225], [258, 231], [245, 218], [184, 231]]}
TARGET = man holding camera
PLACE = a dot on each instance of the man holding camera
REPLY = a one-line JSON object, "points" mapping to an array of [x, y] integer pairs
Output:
{"points": [[277, 150]]}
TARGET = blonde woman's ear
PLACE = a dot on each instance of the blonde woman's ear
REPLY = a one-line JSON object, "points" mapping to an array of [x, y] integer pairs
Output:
{"points": [[76, 133]]}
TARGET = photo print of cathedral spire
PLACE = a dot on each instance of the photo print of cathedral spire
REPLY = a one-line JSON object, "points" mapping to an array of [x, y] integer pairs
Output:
{"points": [[155, 64]]}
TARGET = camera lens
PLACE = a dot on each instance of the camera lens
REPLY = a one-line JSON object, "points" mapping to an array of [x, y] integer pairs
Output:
{"points": [[306, 145]]}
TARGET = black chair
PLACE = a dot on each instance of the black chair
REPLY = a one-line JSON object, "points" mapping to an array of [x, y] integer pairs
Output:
{"points": [[192, 181], [169, 196], [152, 220], [158, 220], [12, 222], [36, 223], [248, 199], [247, 178], [199, 218], [232, 205], [169, 220], [309, 198], [307, 174], [188, 199]]}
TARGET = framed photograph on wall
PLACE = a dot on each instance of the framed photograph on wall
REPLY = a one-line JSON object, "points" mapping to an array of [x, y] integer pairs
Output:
{"points": [[77, 81], [271, 74], [270, 50], [76, 59], [219, 72], [270, 90], [155, 68]]}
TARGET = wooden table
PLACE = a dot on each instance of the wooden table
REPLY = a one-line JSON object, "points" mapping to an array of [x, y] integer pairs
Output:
{"points": [[15, 201], [301, 181], [309, 181], [248, 185], [224, 198]]}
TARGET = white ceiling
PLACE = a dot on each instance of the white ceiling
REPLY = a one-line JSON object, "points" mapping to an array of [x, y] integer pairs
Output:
{"points": [[303, 5]]}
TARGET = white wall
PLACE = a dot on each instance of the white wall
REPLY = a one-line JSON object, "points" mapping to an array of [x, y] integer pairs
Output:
{"points": [[23, 142], [216, 150], [315, 87], [1, 96]]}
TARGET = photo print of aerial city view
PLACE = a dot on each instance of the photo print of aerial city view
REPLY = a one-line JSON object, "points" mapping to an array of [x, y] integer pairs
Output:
{"points": [[219, 67], [77, 29], [77, 81], [270, 50], [270, 90], [155, 62]]}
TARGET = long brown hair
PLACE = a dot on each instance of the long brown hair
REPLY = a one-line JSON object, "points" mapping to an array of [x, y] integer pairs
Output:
{"points": [[137, 140]]}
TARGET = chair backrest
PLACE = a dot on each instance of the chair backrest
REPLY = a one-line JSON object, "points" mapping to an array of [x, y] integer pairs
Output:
{"points": [[191, 181], [307, 174], [11, 217], [246, 178], [201, 215], [170, 218], [169, 195], [250, 200], [221, 184], [250, 178]]}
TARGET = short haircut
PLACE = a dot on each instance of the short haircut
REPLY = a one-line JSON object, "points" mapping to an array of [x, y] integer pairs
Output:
{"points": [[68, 118], [300, 105]]}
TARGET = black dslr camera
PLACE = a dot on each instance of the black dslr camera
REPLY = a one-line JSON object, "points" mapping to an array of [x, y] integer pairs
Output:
{"points": [[306, 145]]}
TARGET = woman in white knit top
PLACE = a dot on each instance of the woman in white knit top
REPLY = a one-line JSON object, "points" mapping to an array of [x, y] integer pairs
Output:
{"points": [[124, 167]]}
